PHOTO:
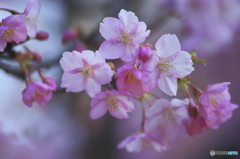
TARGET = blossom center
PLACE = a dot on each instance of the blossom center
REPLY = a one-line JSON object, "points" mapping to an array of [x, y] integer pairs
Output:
{"points": [[131, 78], [87, 71], [9, 34], [214, 102], [31, 21], [112, 104], [168, 112], [125, 38], [165, 65]]}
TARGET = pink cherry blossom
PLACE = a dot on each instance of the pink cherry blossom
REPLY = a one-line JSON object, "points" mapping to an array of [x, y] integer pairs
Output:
{"points": [[122, 35], [215, 103], [37, 92], [117, 103], [132, 81], [30, 17], [84, 71], [164, 120], [136, 143], [12, 28], [42, 35], [168, 63]]}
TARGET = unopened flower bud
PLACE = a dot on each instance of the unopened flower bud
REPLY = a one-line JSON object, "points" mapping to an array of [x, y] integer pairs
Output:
{"points": [[69, 35], [144, 52], [42, 35]]}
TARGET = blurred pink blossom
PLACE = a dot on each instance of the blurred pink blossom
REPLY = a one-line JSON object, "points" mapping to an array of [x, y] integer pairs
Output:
{"points": [[165, 119], [215, 105], [37, 92], [30, 17], [12, 28], [132, 81], [117, 103], [140, 141]]}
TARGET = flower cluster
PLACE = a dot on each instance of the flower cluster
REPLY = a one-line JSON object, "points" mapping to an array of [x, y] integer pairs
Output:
{"points": [[19, 28], [206, 18], [144, 68]]}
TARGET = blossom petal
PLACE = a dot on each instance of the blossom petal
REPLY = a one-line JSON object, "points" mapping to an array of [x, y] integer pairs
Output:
{"points": [[167, 45], [92, 87], [20, 34], [71, 60], [98, 110], [103, 75], [168, 84], [129, 19], [141, 33], [158, 106], [130, 53], [126, 103], [108, 29], [88, 57], [182, 63], [120, 113], [110, 50], [73, 82]]}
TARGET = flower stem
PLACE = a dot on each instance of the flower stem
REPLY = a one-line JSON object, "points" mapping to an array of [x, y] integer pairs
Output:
{"points": [[9, 10], [143, 117]]}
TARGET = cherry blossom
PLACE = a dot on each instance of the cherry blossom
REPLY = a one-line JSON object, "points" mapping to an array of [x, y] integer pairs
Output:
{"points": [[165, 119], [215, 103], [132, 81], [84, 71], [12, 28], [136, 143], [30, 17], [37, 92], [122, 35], [117, 103], [168, 63]]}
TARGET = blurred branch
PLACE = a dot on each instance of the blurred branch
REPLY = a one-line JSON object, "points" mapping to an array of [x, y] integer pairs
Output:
{"points": [[15, 71]]}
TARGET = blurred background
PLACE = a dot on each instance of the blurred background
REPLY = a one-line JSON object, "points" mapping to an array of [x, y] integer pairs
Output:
{"points": [[64, 130]]}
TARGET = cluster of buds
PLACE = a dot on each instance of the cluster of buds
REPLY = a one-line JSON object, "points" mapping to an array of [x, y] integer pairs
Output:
{"points": [[144, 68], [17, 29]]}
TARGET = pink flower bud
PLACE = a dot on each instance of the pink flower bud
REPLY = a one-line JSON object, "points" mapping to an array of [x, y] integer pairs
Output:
{"points": [[69, 35], [144, 52], [42, 35]]}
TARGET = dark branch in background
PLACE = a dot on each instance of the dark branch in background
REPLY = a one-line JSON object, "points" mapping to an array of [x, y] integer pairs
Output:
{"points": [[15, 71]]}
